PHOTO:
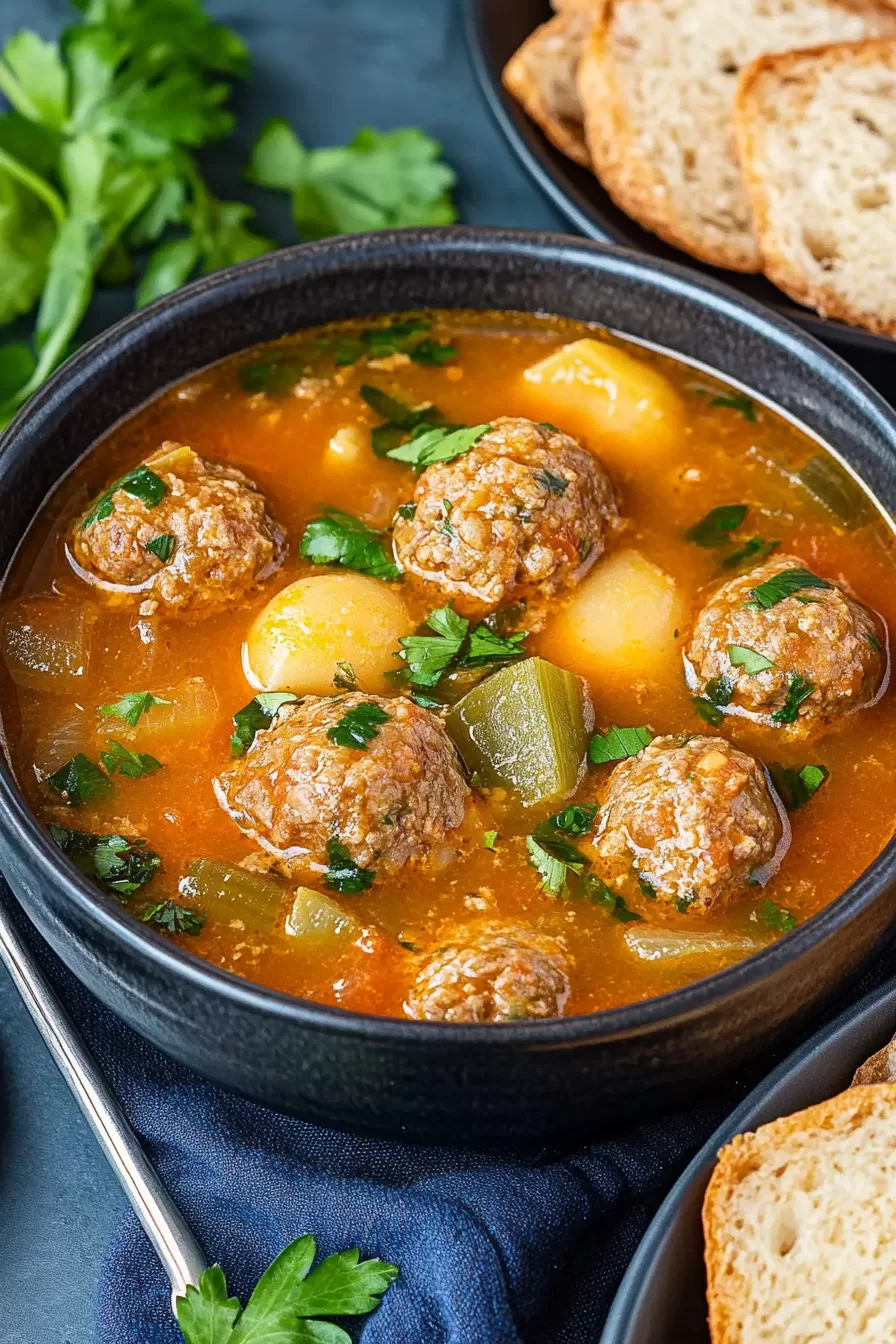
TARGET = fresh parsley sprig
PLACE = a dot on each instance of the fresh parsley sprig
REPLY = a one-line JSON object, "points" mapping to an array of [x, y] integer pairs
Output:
{"points": [[338, 538], [260, 713], [141, 483], [132, 706], [795, 785], [119, 759], [121, 864], [789, 583], [443, 443], [288, 1301], [170, 917], [342, 873], [551, 854], [455, 645], [616, 744], [358, 726], [394, 338]]}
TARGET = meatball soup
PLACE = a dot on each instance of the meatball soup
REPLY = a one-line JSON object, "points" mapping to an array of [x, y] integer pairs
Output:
{"points": [[459, 666]]}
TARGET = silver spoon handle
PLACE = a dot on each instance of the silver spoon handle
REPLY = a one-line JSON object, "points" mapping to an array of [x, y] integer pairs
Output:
{"points": [[173, 1241]]}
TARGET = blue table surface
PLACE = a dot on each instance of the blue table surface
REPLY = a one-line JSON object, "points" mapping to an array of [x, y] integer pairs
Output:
{"points": [[330, 66]]}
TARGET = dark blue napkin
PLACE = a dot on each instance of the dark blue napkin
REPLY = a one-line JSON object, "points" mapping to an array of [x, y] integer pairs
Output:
{"points": [[493, 1248]]}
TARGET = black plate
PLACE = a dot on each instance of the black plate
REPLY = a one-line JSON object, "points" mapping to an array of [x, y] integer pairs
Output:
{"points": [[662, 1299], [495, 28]]}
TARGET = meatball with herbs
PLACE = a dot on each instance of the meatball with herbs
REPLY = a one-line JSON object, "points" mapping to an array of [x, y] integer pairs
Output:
{"points": [[491, 973], [347, 781], [525, 512], [695, 820], [788, 648], [179, 532]]}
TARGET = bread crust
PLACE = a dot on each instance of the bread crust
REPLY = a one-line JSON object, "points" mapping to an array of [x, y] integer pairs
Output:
{"points": [[523, 79], [754, 83], [727, 1291]]}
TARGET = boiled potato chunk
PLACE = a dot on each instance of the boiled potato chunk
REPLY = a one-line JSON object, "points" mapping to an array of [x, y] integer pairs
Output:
{"points": [[622, 620], [627, 410], [302, 634]]}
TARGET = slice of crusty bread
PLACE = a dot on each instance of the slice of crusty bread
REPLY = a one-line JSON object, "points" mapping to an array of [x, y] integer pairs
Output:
{"points": [[541, 75], [657, 83], [817, 137], [799, 1223], [880, 1068]]}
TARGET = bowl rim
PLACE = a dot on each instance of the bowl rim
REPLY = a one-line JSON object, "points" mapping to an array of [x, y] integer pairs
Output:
{"points": [[201, 298]]}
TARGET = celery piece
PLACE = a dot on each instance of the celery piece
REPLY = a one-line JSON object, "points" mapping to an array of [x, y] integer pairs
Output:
{"points": [[226, 893], [318, 920], [525, 728]]}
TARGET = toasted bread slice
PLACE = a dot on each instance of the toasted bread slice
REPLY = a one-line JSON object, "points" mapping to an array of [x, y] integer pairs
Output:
{"points": [[817, 137], [541, 75], [798, 1220], [657, 83], [880, 1068]]}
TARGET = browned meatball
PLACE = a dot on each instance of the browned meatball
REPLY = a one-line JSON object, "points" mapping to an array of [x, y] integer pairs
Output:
{"points": [[828, 652], [222, 541], [523, 513], [491, 973], [696, 819], [295, 789]]}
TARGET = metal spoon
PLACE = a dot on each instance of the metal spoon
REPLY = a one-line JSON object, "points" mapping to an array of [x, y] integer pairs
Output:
{"points": [[173, 1241]]}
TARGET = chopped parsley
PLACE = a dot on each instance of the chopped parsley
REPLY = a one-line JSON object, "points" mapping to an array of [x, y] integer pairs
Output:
{"points": [[142, 483], [442, 443], [719, 691], [406, 511], [344, 678], [342, 873], [707, 711], [260, 713], [119, 759], [275, 375], [777, 917], [783, 585], [616, 744], [425, 702], [874, 642], [552, 856], [122, 865], [132, 706], [490, 840], [337, 538], [486, 647], [716, 527], [753, 549], [358, 726], [80, 781], [599, 893], [396, 338], [434, 353], [552, 429], [737, 401], [557, 485], [162, 546], [795, 785], [428, 657], [751, 661], [169, 917], [684, 903], [647, 888], [798, 690], [446, 527], [576, 819], [401, 419]]}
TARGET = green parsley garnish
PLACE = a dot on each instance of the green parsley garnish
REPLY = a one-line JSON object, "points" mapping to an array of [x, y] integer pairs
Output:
{"points": [[274, 375], [599, 893], [428, 657], [343, 874], [616, 744], [425, 701], [132, 706], [874, 642], [80, 781], [142, 483], [121, 864], [755, 549], [551, 855], [707, 711], [487, 647], [576, 819], [358, 726], [344, 678], [552, 429], [717, 696], [777, 917], [751, 661], [683, 904], [737, 401], [435, 353], [339, 539], [288, 1300], [392, 339], [557, 485], [406, 511], [490, 840], [119, 759], [259, 714], [446, 527], [797, 784], [716, 527], [442, 443], [170, 917], [162, 546], [798, 690], [783, 585], [647, 888]]}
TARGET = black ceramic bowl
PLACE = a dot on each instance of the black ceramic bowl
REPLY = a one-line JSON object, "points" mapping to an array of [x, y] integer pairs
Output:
{"points": [[548, 1080]]}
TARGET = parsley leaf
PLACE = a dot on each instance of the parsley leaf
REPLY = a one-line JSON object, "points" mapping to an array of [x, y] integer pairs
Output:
{"points": [[337, 538], [358, 726], [798, 690], [490, 840], [737, 401], [486, 646], [551, 855], [206, 1315], [343, 1285], [618, 743], [557, 485], [599, 893], [707, 711], [551, 868], [576, 819], [132, 706], [401, 419], [162, 546], [119, 759], [377, 181], [754, 549], [260, 713], [433, 353], [173, 918], [796, 785], [406, 511], [80, 781], [142, 483], [123, 865], [428, 656], [874, 642], [783, 585], [392, 339], [717, 526], [274, 375], [777, 917], [343, 874], [443, 443], [719, 691], [751, 661], [345, 679]]}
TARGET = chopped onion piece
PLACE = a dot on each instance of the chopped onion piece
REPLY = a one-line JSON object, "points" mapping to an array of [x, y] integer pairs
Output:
{"points": [[190, 715], [670, 945], [46, 643]]}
